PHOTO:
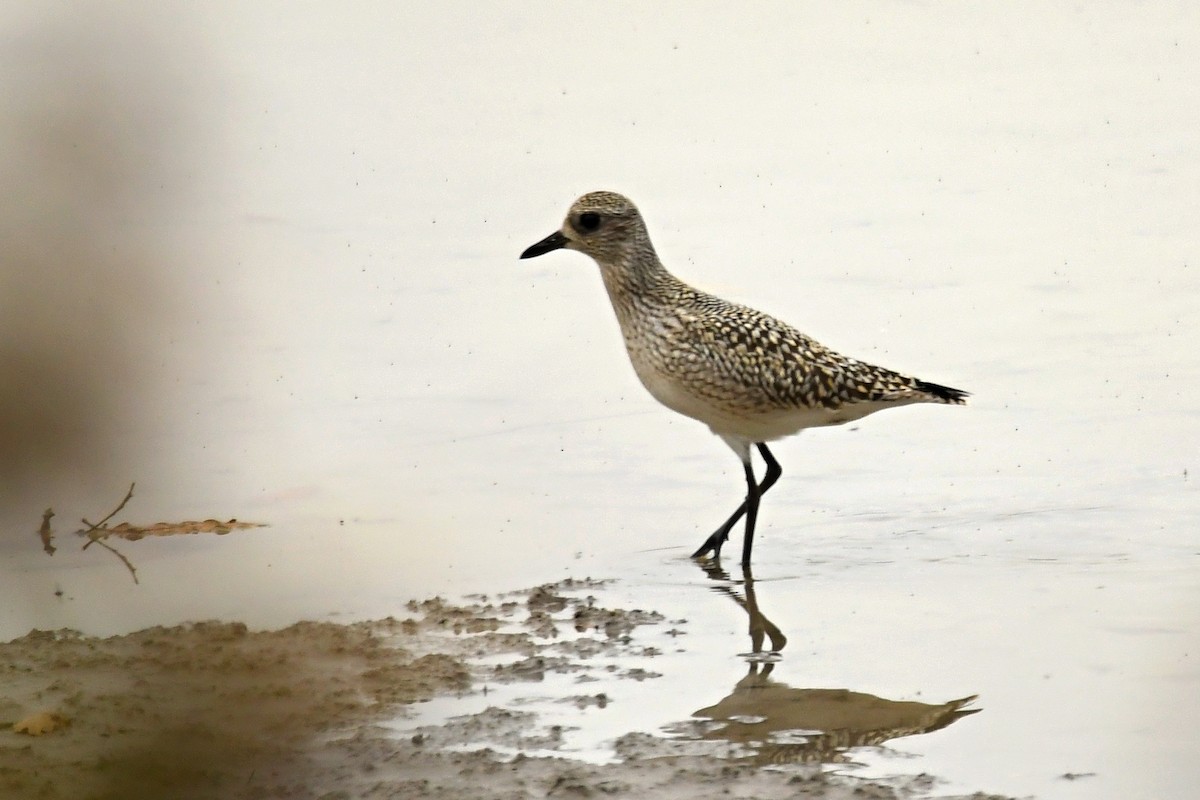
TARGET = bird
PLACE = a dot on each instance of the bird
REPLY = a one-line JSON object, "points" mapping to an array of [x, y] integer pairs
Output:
{"points": [[751, 378]]}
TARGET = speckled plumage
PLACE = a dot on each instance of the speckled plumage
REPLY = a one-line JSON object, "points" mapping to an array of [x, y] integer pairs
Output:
{"points": [[750, 377]]}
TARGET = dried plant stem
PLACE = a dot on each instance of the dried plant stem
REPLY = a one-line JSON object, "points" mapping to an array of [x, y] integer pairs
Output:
{"points": [[113, 513], [96, 532]]}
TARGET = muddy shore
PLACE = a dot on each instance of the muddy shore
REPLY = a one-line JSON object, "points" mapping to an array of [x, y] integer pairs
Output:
{"points": [[212, 709]]}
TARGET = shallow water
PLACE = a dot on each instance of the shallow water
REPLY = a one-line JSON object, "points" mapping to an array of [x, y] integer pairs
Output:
{"points": [[340, 342]]}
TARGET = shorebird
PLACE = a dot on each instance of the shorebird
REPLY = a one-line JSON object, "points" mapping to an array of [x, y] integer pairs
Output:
{"points": [[750, 377]]}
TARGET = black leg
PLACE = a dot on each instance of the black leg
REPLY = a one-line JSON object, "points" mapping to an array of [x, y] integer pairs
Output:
{"points": [[752, 496], [713, 543], [773, 469]]}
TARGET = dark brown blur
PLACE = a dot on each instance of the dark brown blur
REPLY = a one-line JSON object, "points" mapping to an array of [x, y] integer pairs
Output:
{"points": [[94, 152]]}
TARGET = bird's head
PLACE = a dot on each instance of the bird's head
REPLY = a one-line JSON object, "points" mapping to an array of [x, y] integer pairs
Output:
{"points": [[604, 225]]}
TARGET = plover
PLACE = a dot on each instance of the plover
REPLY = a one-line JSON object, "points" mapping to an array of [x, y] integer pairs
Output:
{"points": [[748, 376]]}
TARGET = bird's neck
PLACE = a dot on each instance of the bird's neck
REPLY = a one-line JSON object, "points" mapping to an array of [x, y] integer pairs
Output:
{"points": [[636, 287]]}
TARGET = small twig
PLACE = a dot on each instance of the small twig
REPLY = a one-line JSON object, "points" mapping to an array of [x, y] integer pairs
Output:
{"points": [[96, 532], [45, 532], [112, 513]]}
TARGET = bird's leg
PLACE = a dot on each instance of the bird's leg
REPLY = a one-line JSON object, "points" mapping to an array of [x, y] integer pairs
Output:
{"points": [[773, 469], [713, 543], [753, 493], [752, 497]]}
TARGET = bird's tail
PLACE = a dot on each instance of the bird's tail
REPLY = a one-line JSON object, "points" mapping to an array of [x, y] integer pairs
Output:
{"points": [[943, 394]]}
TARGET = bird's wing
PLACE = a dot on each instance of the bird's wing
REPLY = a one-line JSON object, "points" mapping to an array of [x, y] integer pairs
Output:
{"points": [[763, 356]]}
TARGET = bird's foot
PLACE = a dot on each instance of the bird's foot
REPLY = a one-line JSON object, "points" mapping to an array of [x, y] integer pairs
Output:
{"points": [[712, 544]]}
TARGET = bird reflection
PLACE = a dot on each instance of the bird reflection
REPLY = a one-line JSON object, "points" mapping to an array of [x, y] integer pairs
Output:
{"points": [[778, 724], [760, 626]]}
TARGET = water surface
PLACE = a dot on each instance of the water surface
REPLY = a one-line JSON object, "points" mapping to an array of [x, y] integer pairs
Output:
{"points": [[321, 212]]}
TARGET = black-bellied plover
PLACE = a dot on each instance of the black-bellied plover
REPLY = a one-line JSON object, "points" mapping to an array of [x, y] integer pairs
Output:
{"points": [[751, 378]]}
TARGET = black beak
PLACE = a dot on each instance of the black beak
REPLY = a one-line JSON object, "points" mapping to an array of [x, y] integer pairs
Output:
{"points": [[554, 241]]}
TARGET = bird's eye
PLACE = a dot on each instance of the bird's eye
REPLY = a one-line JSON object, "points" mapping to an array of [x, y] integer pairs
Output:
{"points": [[589, 221]]}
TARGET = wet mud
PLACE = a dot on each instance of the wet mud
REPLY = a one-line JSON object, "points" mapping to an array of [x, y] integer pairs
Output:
{"points": [[318, 710]]}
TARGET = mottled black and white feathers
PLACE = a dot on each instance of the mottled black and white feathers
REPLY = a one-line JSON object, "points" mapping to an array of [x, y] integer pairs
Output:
{"points": [[747, 375]]}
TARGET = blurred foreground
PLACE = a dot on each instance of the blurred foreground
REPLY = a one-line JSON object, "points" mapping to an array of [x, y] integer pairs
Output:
{"points": [[214, 710]]}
